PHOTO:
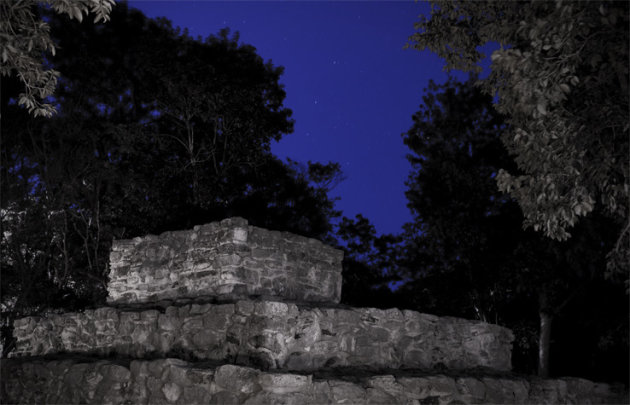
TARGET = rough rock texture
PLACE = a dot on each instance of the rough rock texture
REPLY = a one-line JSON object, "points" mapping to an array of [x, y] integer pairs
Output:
{"points": [[172, 381], [272, 335], [226, 259], [224, 292]]}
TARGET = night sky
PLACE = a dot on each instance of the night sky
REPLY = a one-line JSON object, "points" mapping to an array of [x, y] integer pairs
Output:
{"points": [[352, 87]]}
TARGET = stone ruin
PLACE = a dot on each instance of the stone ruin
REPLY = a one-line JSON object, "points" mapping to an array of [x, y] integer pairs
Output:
{"points": [[229, 313]]}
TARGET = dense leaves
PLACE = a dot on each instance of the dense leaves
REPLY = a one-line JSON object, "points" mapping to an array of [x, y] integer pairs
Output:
{"points": [[466, 254], [561, 77], [26, 37]]}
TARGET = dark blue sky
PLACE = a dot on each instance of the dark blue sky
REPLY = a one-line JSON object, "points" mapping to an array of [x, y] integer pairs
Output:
{"points": [[351, 85]]}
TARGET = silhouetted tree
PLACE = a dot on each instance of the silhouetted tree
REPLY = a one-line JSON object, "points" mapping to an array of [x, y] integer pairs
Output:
{"points": [[465, 253], [155, 131], [370, 264]]}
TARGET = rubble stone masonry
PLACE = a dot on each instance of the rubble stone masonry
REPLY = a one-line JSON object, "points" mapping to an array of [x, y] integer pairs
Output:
{"points": [[173, 381], [227, 313], [273, 335], [224, 260]]}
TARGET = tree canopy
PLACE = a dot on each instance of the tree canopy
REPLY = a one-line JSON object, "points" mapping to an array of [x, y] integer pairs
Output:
{"points": [[155, 131], [462, 223], [26, 38], [561, 78], [466, 254]]}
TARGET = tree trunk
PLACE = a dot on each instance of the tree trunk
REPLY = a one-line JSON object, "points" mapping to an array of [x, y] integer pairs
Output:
{"points": [[544, 342]]}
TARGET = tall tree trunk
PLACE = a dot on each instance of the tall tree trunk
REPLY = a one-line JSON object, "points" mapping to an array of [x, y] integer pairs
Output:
{"points": [[546, 318]]}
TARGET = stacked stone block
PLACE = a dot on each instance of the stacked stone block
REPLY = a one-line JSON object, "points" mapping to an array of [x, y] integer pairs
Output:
{"points": [[231, 313], [173, 381], [274, 335], [223, 260]]}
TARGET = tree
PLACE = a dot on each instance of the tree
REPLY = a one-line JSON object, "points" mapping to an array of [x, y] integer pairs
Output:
{"points": [[370, 264], [465, 253], [561, 77], [462, 229], [26, 38], [142, 146]]}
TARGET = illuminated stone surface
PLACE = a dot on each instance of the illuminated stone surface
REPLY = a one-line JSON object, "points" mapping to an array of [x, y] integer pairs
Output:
{"points": [[228, 313], [225, 260], [274, 335], [173, 381]]}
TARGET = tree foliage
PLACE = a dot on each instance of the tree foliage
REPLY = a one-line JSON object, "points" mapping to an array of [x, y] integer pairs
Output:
{"points": [[155, 131], [462, 237], [561, 77], [370, 264], [26, 38], [466, 254]]}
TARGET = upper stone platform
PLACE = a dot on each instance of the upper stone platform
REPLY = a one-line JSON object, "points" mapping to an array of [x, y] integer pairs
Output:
{"points": [[223, 260]]}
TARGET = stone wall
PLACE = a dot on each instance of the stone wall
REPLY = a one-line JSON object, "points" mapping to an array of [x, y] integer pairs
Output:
{"points": [[242, 304], [273, 335], [227, 259], [171, 381]]}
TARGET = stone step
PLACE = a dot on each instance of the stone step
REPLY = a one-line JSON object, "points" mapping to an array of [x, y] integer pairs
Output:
{"points": [[273, 335], [227, 259], [172, 381]]}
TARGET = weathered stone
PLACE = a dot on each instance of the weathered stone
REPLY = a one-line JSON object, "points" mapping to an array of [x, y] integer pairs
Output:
{"points": [[174, 381], [277, 334], [227, 259], [284, 383], [469, 388], [237, 379], [347, 393], [115, 372], [171, 391], [230, 259], [377, 396]]}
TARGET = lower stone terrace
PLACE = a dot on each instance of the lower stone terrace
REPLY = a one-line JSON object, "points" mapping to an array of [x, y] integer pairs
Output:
{"points": [[272, 335], [171, 381]]}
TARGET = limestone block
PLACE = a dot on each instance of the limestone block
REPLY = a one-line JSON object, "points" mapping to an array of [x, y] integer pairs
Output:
{"points": [[346, 392], [226, 260], [284, 383], [237, 379]]}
